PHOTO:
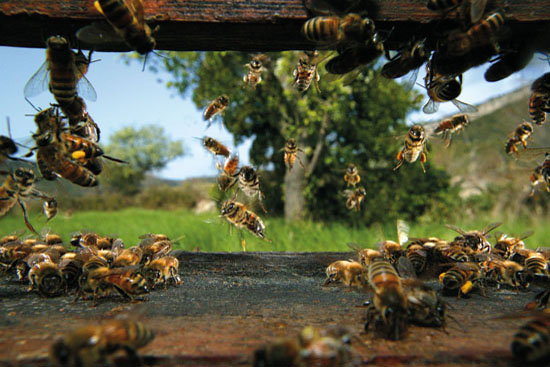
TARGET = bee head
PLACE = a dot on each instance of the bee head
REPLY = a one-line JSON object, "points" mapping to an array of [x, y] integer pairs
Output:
{"points": [[24, 176]]}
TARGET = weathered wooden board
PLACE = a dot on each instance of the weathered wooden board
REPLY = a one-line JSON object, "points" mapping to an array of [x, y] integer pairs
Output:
{"points": [[259, 25]]}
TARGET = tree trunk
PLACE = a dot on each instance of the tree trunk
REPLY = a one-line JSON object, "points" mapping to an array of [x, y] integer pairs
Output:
{"points": [[294, 179]]}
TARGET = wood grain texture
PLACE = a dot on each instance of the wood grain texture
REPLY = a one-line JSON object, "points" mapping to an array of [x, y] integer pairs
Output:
{"points": [[246, 25]]}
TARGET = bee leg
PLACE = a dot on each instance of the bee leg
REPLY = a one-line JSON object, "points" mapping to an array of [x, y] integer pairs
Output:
{"points": [[316, 82], [399, 159], [27, 223], [301, 163], [422, 160], [132, 357]]}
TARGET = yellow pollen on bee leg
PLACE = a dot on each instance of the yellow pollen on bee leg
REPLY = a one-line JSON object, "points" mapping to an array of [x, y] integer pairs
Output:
{"points": [[467, 287], [441, 276], [79, 154]]}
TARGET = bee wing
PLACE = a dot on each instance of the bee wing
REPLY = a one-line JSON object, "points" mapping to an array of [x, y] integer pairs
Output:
{"points": [[456, 229], [410, 80], [85, 89], [321, 7], [99, 33], [346, 193], [355, 246], [490, 227], [38, 82], [525, 234], [477, 8], [402, 232], [405, 268], [431, 107], [531, 154], [464, 107]]}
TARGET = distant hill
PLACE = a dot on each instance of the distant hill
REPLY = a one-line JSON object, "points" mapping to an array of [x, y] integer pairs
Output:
{"points": [[476, 158]]}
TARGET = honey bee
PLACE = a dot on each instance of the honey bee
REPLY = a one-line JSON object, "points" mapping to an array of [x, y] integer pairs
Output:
{"points": [[544, 171], [352, 57], [215, 147], [291, 150], [153, 249], [127, 20], [417, 255], [415, 142], [71, 270], [443, 89], [511, 61], [461, 279], [506, 245], [476, 240], [425, 306], [306, 72], [408, 60], [520, 135], [92, 345], [128, 257], [391, 250], [215, 107], [249, 183], [80, 121], [539, 101], [255, 68], [47, 278], [237, 214], [229, 174], [18, 187], [530, 343], [365, 255], [162, 270], [351, 177], [448, 65], [476, 7], [350, 273], [450, 126], [354, 198], [50, 208], [536, 177], [503, 272], [66, 77], [332, 30], [484, 32], [127, 281], [388, 311], [535, 262], [8, 147], [13, 252]]}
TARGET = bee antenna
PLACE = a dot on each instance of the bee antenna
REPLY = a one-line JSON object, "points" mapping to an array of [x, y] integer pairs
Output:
{"points": [[33, 106], [8, 123], [160, 55]]}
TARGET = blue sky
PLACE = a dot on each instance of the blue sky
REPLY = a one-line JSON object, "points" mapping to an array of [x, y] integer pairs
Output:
{"points": [[129, 97]]}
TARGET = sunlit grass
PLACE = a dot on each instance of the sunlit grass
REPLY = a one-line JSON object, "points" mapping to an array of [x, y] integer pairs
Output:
{"points": [[212, 233]]}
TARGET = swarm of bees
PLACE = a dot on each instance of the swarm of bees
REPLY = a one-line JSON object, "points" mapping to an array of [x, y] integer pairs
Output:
{"points": [[396, 272], [97, 267]]}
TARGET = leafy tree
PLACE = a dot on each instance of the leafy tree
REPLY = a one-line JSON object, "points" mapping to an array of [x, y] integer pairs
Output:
{"points": [[145, 149], [342, 124]]}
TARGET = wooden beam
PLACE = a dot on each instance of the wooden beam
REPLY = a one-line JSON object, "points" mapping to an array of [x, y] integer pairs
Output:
{"points": [[246, 25]]}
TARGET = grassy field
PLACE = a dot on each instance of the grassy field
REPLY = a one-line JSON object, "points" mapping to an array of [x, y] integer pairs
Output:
{"points": [[211, 233]]}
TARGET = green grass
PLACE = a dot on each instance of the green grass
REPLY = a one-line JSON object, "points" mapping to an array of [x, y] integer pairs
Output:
{"points": [[211, 233]]}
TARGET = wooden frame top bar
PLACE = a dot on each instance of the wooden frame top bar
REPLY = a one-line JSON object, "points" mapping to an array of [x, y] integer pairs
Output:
{"points": [[245, 25]]}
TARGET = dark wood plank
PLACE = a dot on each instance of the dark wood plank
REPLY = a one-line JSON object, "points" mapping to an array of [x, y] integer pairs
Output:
{"points": [[260, 25]]}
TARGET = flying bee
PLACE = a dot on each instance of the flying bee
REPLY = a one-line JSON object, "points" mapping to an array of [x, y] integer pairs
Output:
{"points": [[18, 187], [291, 150], [512, 61], [93, 345], [128, 23], [50, 208], [354, 198], [350, 273], [215, 107], [448, 65], [237, 214], [475, 240], [229, 174], [162, 270], [537, 179], [484, 32], [425, 306], [443, 89], [351, 177], [388, 311], [461, 279], [520, 136], [408, 60], [544, 171], [249, 183], [255, 68], [415, 143], [350, 58], [476, 7], [539, 101], [450, 126], [47, 278], [306, 72], [215, 147], [66, 77], [80, 121]]}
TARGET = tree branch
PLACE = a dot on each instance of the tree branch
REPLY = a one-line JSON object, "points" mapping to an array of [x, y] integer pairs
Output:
{"points": [[319, 146]]}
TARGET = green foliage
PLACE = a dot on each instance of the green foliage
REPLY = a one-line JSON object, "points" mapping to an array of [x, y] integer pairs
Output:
{"points": [[349, 123], [145, 149]]}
